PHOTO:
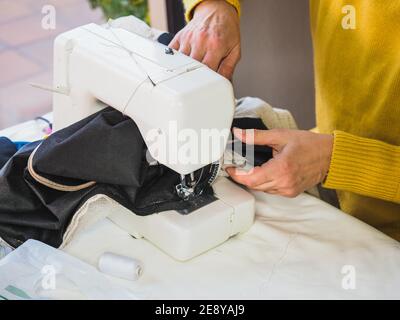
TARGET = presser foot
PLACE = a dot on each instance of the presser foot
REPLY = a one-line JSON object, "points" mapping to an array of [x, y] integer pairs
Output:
{"points": [[192, 185]]}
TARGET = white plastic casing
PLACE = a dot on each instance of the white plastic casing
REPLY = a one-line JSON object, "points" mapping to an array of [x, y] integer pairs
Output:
{"points": [[95, 66], [186, 236]]}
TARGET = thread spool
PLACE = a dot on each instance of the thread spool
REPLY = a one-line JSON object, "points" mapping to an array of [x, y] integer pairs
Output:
{"points": [[120, 266]]}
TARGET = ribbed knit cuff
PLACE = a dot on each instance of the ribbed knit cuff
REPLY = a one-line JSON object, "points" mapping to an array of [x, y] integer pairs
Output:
{"points": [[190, 5], [364, 166]]}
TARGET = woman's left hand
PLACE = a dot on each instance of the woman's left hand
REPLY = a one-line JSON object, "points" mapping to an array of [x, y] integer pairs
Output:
{"points": [[300, 161]]}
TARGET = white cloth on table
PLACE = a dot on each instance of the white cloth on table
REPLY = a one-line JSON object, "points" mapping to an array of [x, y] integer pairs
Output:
{"points": [[298, 248]]}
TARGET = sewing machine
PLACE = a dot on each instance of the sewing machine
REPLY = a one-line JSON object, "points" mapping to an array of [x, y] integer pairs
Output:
{"points": [[165, 93]]}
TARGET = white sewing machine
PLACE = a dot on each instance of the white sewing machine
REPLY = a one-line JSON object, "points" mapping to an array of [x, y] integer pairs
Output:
{"points": [[161, 90]]}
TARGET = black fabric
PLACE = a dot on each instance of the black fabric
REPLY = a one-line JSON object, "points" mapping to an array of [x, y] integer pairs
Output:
{"points": [[106, 147], [261, 153], [165, 38], [156, 196], [7, 150]]}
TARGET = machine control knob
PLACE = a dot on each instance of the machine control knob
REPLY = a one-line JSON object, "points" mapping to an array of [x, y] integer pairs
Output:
{"points": [[169, 51]]}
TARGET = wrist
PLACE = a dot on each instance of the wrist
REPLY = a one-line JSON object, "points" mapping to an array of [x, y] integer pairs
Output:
{"points": [[208, 6], [326, 154]]}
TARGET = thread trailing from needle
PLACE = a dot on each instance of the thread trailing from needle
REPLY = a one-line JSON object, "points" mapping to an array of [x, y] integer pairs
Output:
{"points": [[121, 45]]}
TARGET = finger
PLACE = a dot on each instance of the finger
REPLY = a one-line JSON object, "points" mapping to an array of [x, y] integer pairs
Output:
{"points": [[185, 48], [197, 53], [229, 63], [257, 176], [175, 44], [272, 137], [267, 187], [272, 191], [212, 60]]}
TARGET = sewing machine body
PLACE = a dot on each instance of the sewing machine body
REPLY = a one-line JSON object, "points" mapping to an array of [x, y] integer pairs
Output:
{"points": [[186, 236], [95, 66]]}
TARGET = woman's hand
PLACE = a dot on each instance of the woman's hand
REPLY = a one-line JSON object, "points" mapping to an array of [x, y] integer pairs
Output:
{"points": [[212, 36], [301, 160]]}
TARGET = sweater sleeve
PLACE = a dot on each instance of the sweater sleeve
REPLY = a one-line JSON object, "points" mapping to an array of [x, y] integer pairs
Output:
{"points": [[365, 166], [191, 4]]}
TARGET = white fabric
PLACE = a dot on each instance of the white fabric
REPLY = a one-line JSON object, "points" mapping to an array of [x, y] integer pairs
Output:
{"points": [[250, 107], [135, 25], [297, 249]]}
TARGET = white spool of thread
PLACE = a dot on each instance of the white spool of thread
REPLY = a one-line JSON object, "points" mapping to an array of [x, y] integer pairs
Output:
{"points": [[120, 266]]}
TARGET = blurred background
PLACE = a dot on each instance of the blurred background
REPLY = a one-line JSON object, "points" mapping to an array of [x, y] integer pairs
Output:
{"points": [[276, 60]]}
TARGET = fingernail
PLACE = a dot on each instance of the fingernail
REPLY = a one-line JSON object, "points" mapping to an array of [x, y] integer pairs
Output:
{"points": [[237, 131]]}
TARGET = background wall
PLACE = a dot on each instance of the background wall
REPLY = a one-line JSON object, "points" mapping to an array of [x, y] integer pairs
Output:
{"points": [[276, 60], [26, 53]]}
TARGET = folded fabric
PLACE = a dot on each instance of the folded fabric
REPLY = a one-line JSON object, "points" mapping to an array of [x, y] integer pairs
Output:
{"points": [[7, 150], [273, 118]]}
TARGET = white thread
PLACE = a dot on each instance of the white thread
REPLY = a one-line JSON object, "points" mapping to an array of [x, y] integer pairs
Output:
{"points": [[120, 266]]}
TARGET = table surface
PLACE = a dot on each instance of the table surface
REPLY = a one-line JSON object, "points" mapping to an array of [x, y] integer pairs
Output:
{"points": [[297, 248]]}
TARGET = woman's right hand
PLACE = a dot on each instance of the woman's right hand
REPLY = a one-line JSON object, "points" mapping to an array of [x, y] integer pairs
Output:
{"points": [[212, 36]]}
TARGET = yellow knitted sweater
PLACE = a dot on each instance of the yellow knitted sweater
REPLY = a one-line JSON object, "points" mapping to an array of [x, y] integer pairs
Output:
{"points": [[357, 81]]}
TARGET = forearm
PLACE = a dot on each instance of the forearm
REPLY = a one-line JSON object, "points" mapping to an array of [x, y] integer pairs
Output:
{"points": [[190, 5], [365, 166]]}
